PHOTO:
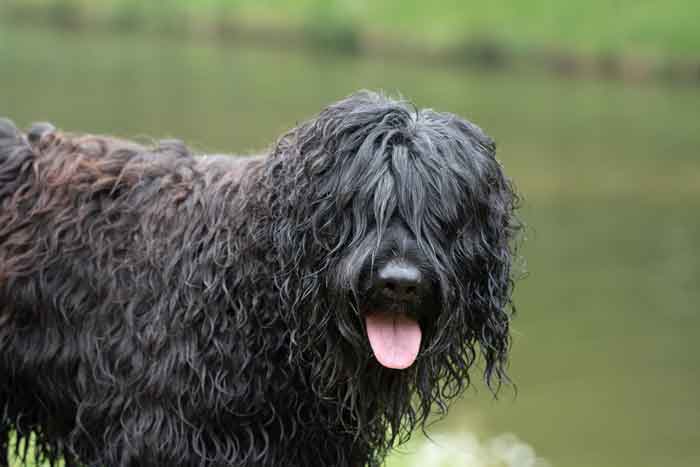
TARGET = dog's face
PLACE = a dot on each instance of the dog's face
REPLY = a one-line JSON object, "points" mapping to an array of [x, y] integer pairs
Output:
{"points": [[419, 216], [398, 227], [411, 257], [398, 296]]}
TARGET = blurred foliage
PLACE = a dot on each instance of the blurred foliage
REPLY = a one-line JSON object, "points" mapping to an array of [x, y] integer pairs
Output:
{"points": [[331, 26], [599, 27]]}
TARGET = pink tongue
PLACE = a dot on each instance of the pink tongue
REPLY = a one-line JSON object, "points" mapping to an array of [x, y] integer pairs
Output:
{"points": [[394, 337]]}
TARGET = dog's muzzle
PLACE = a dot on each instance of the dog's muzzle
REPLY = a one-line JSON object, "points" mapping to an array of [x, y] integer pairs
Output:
{"points": [[393, 331]]}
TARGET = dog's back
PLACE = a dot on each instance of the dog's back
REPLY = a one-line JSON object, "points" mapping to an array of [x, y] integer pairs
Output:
{"points": [[88, 247], [118, 345]]}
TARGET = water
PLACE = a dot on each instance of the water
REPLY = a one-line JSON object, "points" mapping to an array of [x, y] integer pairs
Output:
{"points": [[606, 356]]}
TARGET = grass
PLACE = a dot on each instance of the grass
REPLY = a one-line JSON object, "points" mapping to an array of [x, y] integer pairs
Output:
{"points": [[23, 453]]}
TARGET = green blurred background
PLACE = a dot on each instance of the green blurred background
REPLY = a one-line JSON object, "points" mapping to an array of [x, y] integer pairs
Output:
{"points": [[595, 106]]}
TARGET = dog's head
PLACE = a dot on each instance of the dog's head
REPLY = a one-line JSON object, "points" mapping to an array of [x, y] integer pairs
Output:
{"points": [[396, 235]]}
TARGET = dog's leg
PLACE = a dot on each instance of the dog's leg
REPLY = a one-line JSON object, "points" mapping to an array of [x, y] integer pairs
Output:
{"points": [[69, 461]]}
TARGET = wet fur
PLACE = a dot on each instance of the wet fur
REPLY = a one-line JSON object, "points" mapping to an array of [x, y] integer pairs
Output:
{"points": [[158, 308]]}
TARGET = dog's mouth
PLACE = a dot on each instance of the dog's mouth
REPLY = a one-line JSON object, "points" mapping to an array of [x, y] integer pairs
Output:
{"points": [[394, 336]]}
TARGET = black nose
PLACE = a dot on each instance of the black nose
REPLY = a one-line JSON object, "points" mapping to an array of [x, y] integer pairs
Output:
{"points": [[399, 282]]}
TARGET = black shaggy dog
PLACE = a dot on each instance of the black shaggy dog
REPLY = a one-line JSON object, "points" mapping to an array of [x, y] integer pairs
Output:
{"points": [[307, 308]]}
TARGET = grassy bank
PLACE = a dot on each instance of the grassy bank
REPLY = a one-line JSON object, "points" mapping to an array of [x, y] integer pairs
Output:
{"points": [[625, 38]]}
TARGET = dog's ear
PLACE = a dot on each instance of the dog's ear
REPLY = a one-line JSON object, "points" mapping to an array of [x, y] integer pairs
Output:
{"points": [[499, 231]]}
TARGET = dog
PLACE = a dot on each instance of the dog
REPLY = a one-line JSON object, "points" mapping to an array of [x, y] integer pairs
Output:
{"points": [[309, 307]]}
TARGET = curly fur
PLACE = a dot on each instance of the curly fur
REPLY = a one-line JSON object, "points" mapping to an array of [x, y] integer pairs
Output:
{"points": [[158, 308]]}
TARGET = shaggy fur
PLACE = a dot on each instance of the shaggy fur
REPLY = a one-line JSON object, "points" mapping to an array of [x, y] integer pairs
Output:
{"points": [[158, 308]]}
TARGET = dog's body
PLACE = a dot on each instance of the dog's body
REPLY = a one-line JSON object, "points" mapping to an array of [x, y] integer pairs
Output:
{"points": [[307, 308]]}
